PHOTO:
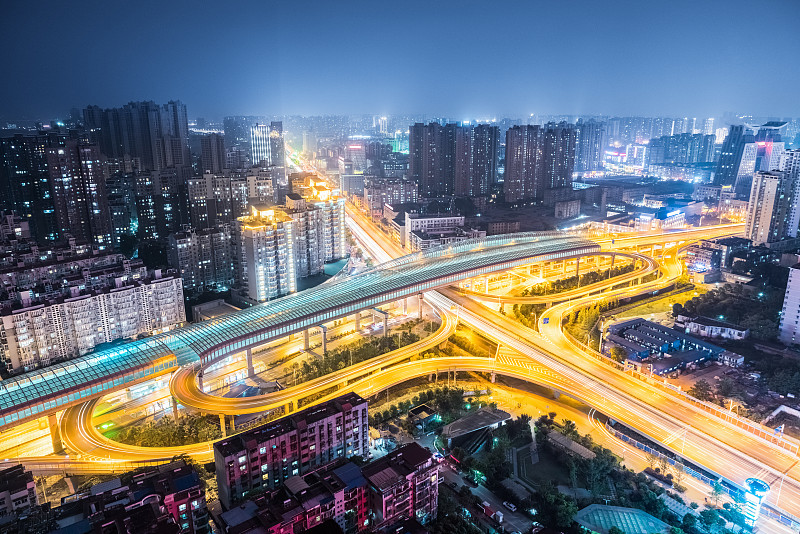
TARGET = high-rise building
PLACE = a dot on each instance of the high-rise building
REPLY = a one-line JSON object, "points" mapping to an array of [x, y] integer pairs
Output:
{"points": [[79, 193], [590, 146], [260, 146], [156, 134], [268, 455], [212, 153], [121, 189], [309, 143], [790, 314], [266, 247], [203, 258], [431, 158], [730, 159], [162, 203], [769, 210], [475, 159], [40, 331], [25, 181], [538, 158], [681, 148]]}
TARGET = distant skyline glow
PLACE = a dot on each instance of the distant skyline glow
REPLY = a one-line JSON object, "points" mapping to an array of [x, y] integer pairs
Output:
{"points": [[455, 59]]}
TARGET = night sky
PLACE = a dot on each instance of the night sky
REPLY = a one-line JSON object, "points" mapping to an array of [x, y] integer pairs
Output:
{"points": [[455, 58]]}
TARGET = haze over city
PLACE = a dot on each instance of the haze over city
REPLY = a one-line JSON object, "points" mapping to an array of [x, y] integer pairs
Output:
{"points": [[400, 268], [460, 59]]}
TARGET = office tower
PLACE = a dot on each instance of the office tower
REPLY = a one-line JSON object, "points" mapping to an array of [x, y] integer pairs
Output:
{"points": [[790, 314], [276, 144], [590, 146], [79, 193], [769, 210], [25, 182], [475, 159], [265, 456], [156, 134], [708, 126], [769, 145], [431, 158], [260, 145], [730, 159], [266, 249], [212, 153], [538, 158], [404, 484], [42, 330], [203, 258]]}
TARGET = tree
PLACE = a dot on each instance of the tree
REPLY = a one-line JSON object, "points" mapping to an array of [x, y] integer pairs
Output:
{"points": [[618, 354], [700, 390], [663, 463], [709, 517], [554, 509], [679, 471], [652, 459], [677, 309], [716, 492], [570, 429]]}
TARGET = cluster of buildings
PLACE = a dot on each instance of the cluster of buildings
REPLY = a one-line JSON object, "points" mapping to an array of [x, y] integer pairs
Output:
{"points": [[301, 469], [654, 348], [168, 499], [63, 301]]}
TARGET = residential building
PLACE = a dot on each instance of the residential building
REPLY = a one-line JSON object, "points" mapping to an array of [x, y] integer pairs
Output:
{"points": [[212, 153], [418, 229], [158, 135], [268, 455], [681, 149], [707, 327], [265, 248], [538, 158], [790, 313], [590, 145], [769, 209], [381, 191], [162, 203], [25, 181], [121, 190], [335, 492], [403, 485], [78, 187], [203, 258], [475, 160], [40, 331], [431, 158], [17, 491]]}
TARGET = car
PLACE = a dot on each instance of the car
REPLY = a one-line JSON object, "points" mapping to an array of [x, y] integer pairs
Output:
{"points": [[510, 506]]}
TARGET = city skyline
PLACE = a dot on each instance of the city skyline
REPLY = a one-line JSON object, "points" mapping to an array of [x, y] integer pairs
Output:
{"points": [[279, 59]]}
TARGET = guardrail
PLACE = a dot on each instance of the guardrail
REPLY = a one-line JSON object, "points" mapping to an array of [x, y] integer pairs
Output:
{"points": [[771, 511]]}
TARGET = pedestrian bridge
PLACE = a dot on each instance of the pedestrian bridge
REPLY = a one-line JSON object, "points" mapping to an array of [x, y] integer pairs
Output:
{"points": [[46, 391]]}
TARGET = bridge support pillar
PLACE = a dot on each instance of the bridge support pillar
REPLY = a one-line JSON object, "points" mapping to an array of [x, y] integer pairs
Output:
{"points": [[251, 372], [613, 257], [419, 305], [578, 268], [357, 318], [563, 266], [430, 377], [493, 377], [556, 394], [200, 380], [404, 305], [55, 434], [305, 339], [175, 413], [223, 424], [324, 330], [377, 312]]}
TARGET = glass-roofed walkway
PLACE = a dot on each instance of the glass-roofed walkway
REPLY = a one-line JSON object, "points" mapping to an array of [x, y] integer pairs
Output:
{"points": [[48, 390]]}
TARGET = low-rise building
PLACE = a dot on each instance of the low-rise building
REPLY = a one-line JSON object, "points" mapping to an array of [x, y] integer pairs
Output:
{"points": [[707, 327], [403, 485], [268, 455], [17, 491]]}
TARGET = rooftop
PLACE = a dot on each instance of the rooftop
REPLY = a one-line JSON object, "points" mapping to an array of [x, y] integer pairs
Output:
{"points": [[601, 518], [482, 418]]}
